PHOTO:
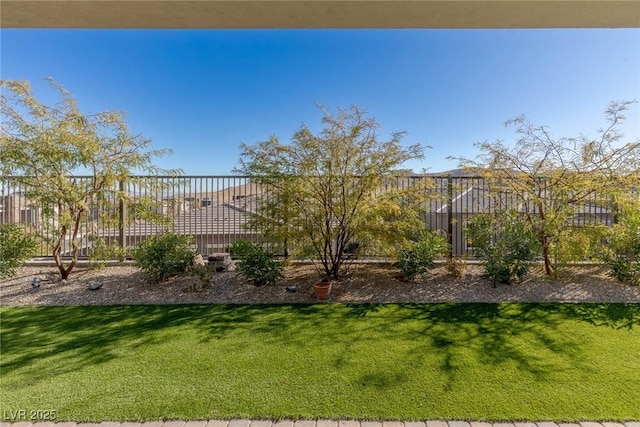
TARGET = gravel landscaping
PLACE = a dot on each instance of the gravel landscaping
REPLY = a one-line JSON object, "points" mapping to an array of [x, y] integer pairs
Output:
{"points": [[375, 283]]}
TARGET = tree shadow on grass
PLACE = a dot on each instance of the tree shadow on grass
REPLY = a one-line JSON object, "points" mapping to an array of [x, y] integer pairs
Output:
{"points": [[615, 316], [525, 335], [64, 339], [67, 338], [71, 338]]}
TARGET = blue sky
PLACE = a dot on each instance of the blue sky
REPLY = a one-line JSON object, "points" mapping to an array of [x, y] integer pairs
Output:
{"points": [[202, 93]]}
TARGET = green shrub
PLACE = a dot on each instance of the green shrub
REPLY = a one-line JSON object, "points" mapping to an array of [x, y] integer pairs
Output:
{"points": [[624, 270], [505, 245], [101, 252], [456, 266], [622, 252], [259, 266], [164, 255], [577, 244], [419, 257], [203, 275], [15, 248], [240, 248]]}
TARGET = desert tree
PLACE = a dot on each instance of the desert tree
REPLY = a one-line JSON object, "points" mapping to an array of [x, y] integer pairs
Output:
{"points": [[42, 146], [323, 191], [550, 180]]}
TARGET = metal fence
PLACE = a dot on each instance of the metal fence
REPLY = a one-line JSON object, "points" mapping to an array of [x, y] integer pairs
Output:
{"points": [[215, 210]]}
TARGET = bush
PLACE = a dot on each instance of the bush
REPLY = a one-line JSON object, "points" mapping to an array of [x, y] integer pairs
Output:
{"points": [[577, 244], [167, 254], [624, 270], [505, 245], [101, 252], [202, 273], [15, 248], [259, 266], [456, 266], [622, 253], [240, 248], [419, 257]]}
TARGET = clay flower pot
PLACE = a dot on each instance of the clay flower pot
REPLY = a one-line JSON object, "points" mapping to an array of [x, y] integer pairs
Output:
{"points": [[322, 290]]}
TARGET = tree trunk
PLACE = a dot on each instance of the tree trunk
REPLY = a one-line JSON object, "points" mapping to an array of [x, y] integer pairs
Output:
{"points": [[548, 266], [57, 249], [544, 238], [336, 269]]}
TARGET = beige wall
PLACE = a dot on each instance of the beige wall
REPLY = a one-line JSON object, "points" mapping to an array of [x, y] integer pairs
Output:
{"points": [[319, 13]]}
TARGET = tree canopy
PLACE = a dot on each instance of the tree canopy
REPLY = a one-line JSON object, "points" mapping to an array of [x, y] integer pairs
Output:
{"points": [[322, 190], [551, 179], [41, 146]]}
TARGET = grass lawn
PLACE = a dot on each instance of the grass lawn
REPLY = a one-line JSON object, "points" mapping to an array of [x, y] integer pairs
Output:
{"points": [[562, 362]]}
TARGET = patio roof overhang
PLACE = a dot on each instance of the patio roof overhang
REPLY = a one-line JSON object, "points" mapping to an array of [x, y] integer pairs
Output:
{"points": [[194, 14]]}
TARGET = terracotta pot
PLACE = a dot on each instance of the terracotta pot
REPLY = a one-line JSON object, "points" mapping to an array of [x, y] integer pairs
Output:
{"points": [[322, 290]]}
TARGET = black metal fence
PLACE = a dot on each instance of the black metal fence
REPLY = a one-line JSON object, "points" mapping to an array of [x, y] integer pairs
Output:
{"points": [[215, 210]]}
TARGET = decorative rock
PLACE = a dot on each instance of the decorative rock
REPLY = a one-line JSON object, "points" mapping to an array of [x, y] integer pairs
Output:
{"points": [[222, 262], [198, 261], [36, 282]]}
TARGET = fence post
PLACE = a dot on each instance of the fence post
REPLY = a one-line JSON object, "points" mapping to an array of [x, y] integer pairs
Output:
{"points": [[122, 216], [450, 213]]}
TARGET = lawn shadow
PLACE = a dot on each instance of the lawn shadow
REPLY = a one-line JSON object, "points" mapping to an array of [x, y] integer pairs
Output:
{"points": [[71, 338], [64, 339], [615, 316], [524, 334]]}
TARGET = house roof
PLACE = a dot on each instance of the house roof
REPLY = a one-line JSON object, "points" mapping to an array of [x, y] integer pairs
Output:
{"points": [[217, 219]]}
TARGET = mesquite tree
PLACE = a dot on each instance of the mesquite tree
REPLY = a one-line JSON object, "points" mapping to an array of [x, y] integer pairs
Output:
{"points": [[322, 191], [41, 146], [550, 180]]}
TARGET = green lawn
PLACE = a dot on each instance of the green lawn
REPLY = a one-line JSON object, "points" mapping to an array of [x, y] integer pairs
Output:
{"points": [[562, 362]]}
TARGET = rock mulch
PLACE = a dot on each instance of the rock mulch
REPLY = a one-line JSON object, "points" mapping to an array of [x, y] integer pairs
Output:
{"points": [[367, 283]]}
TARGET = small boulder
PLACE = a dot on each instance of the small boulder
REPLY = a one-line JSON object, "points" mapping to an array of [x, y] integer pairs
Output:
{"points": [[198, 261]]}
